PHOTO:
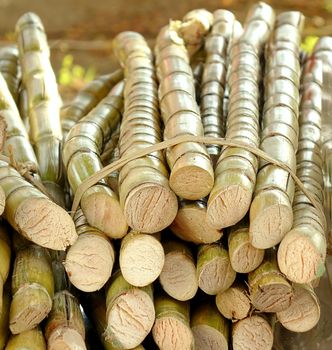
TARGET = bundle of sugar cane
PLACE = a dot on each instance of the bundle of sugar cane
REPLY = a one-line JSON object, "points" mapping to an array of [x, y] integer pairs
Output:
{"points": [[32, 288], [149, 203], [43, 100], [190, 223], [130, 313], [322, 51], [33, 214], [271, 215], [89, 261], [86, 99], [81, 155], [191, 169], [235, 173], [302, 252], [9, 68]]}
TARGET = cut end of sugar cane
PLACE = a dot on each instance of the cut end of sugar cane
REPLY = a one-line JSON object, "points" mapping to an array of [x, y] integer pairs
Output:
{"points": [[214, 271], [304, 311], [65, 338], [271, 293], [178, 276], [192, 177], [141, 259], [30, 305], [170, 333], [271, 217], [243, 255], [45, 223], [171, 329], [129, 319], [254, 333], [234, 303], [103, 211], [210, 329], [301, 255], [228, 206], [150, 207], [89, 262], [191, 224], [208, 338]]}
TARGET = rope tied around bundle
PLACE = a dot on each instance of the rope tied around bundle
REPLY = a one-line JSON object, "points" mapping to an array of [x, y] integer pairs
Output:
{"points": [[92, 180]]}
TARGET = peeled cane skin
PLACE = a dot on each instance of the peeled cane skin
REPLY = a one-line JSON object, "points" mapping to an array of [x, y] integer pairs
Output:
{"points": [[191, 174], [81, 155], [148, 202], [43, 100], [235, 172], [271, 213], [301, 254]]}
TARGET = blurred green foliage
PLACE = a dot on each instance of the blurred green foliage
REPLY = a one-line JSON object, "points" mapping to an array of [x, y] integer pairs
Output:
{"points": [[309, 43], [74, 74]]}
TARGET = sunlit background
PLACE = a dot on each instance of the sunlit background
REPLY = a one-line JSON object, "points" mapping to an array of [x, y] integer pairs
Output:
{"points": [[80, 31]]}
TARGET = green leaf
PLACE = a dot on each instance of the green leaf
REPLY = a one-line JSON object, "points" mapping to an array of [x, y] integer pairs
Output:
{"points": [[309, 43]]}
